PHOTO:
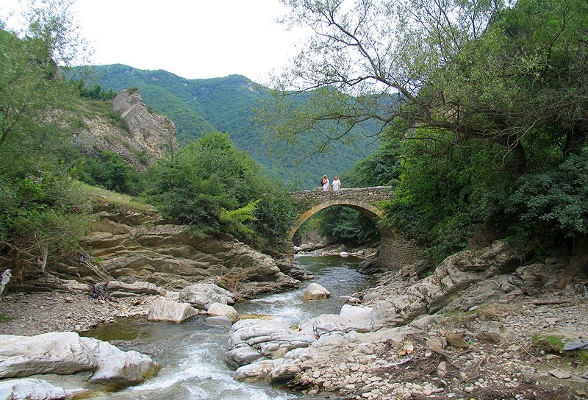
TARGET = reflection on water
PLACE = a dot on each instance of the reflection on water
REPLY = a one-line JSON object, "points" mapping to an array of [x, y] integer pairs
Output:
{"points": [[192, 354]]}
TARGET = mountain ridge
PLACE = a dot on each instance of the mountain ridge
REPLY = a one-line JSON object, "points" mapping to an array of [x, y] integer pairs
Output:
{"points": [[226, 104]]}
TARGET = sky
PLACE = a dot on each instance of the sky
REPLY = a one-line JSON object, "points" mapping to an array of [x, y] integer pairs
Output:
{"points": [[190, 38]]}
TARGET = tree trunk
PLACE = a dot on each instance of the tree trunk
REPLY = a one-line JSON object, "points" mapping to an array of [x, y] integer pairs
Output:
{"points": [[519, 159]]}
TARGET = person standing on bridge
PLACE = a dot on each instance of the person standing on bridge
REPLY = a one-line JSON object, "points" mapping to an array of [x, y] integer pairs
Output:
{"points": [[325, 183], [336, 184]]}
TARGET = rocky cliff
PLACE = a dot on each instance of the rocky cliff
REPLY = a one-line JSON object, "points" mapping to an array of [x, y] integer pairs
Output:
{"points": [[130, 130]]}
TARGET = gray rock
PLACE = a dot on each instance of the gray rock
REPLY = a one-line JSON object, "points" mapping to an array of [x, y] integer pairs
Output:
{"points": [[453, 275], [331, 323], [560, 373], [117, 367], [218, 309], [490, 331], [425, 321], [66, 353], [202, 295], [30, 389], [357, 312], [256, 371], [57, 353], [314, 291], [166, 310], [135, 288], [252, 339]]}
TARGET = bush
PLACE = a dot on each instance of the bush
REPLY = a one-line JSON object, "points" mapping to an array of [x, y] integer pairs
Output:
{"points": [[111, 172], [214, 187], [554, 204]]}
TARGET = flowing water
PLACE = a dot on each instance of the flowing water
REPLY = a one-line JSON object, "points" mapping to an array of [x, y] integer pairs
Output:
{"points": [[192, 354]]}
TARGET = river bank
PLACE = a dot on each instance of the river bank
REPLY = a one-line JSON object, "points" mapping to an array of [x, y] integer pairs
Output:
{"points": [[480, 334]]}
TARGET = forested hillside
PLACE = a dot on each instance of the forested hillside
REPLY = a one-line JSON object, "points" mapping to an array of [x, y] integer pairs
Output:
{"points": [[227, 104]]}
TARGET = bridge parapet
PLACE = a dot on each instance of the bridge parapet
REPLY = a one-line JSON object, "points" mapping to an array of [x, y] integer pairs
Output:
{"points": [[369, 195]]}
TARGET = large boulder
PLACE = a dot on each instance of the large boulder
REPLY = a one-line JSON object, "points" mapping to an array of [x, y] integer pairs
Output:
{"points": [[166, 310], [203, 295], [31, 389], [218, 309], [350, 318], [256, 371], [117, 367], [66, 353], [252, 339], [314, 291]]}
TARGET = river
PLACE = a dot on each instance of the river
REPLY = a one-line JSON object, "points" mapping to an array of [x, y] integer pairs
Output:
{"points": [[192, 354]]}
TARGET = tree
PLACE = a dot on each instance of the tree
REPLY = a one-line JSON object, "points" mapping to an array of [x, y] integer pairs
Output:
{"points": [[478, 69], [42, 215], [30, 83]]}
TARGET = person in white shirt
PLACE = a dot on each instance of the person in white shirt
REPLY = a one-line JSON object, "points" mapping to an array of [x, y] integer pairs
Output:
{"points": [[325, 183], [336, 183]]}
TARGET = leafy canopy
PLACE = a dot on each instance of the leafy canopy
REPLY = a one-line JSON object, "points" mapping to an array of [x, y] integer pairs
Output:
{"points": [[215, 187], [487, 70]]}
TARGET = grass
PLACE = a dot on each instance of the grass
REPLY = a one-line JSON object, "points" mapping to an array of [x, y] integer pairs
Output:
{"points": [[554, 345], [114, 198], [5, 318]]}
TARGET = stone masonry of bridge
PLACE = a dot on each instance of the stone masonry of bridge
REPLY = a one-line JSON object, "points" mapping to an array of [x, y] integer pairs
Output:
{"points": [[394, 250]]}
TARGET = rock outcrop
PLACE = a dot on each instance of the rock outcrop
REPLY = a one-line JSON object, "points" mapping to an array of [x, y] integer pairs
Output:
{"points": [[138, 136], [66, 353], [138, 245], [401, 301]]}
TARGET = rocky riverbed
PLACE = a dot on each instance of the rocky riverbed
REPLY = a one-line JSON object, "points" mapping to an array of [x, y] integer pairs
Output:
{"points": [[484, 325], [42, 312]]}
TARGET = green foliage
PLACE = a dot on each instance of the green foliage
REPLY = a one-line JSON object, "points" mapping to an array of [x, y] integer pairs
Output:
{"points": [[227, 104], [554, 345], [379, 169], [344, 225], [94, 92], [111, 172], [555, 202], [490, 121], [42, 214], [214, 187], [446, 193], [234, 220]]}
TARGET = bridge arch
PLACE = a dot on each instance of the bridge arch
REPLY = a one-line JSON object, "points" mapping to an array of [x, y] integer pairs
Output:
{"points": [[394, 251], [367, 209]]}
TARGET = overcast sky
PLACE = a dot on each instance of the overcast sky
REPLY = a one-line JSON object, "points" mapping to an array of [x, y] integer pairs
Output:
{"points": [[190, 38]]}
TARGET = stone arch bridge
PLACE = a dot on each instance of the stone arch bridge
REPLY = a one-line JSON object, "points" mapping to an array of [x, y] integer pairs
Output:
{"points": [[394, 250]]}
